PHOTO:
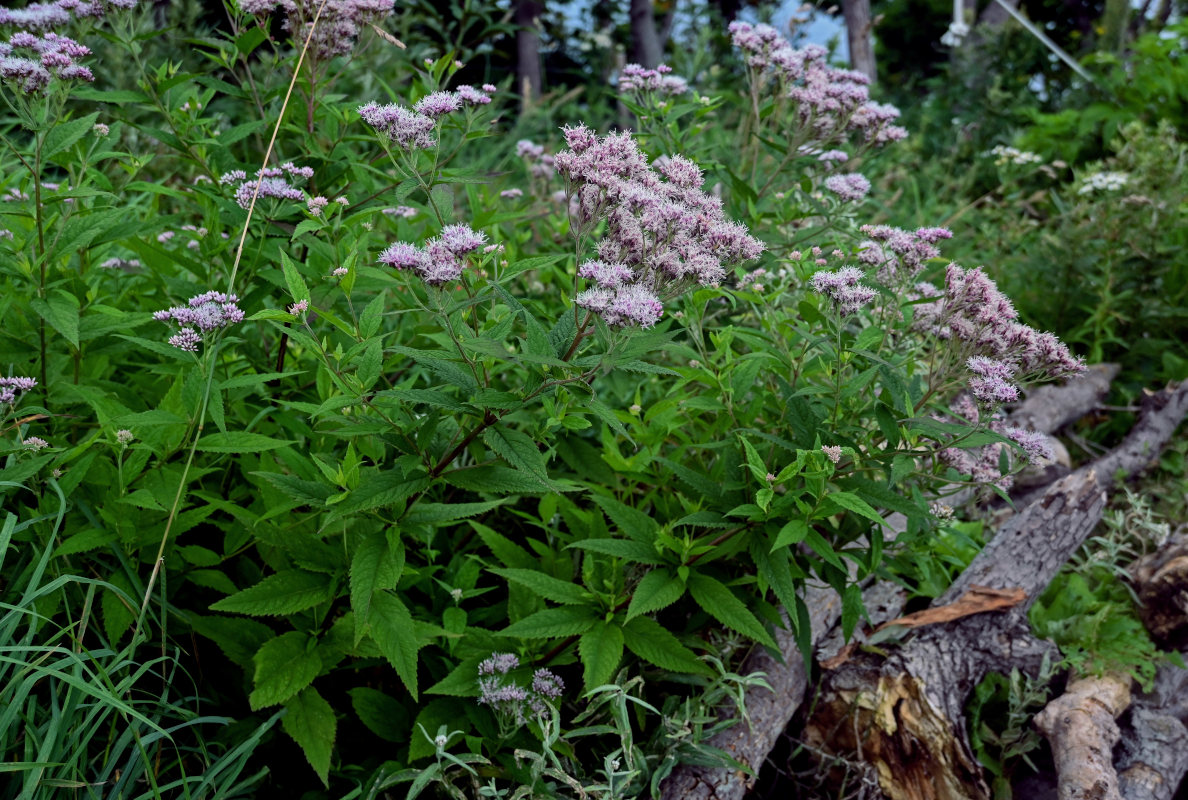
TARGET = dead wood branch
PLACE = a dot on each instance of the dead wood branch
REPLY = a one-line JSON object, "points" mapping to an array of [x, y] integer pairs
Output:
{"points": [[1080, 726]]}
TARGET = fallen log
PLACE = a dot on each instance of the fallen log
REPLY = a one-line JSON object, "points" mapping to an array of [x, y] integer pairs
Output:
{"points": [[1080, 726], [904, 714], [1045, 410], [1161, 582]]}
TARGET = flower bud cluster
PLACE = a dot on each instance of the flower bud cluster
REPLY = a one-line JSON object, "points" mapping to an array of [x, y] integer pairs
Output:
{"points": [[29, 62], [1010, 155], [663, 233], [441, 259], [982, 464], [644, 83], [505, 696], [1000, 352], [833, 102], [204, 313], [899, 254], [843, 288], [338, 23], [1104, 182], [273, 182], [44, 16], [850, 187], [416, 128], [12, 388]]}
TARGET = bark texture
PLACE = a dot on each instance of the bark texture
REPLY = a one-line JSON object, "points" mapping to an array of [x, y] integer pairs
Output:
{"points": [[858, 27], [1153, 756], [645, 40], [1080, 725], [1161, 580], [529, 77], [905, 713]]}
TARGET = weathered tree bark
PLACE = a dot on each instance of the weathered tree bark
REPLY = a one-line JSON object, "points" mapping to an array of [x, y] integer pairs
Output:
{"points": [[905, 713], [529, 77], [645, 41], [1153, 755], [1161, 413], [1049, 408], [858, 27], [1161, 580], [1080, 726]]}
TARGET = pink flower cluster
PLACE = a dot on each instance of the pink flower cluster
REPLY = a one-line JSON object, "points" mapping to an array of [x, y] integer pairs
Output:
{"points": [[640, 82], [338, 26], [441, 260], [12, 388], [44, 16], [273, 182], [900, 254], [662, 230], [843, 288], [850, 187], [415, 128], [503, 695], [31, 62], [204, 313], [972, 314], [833, 102], [982, 463]]}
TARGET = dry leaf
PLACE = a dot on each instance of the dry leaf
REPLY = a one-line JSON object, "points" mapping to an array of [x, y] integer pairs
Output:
{"points": [[978, 600], [383, 34]]}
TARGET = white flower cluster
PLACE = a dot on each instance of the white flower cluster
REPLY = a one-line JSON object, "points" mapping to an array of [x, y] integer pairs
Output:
{"points": [[1003, 154], [1104, 182]]}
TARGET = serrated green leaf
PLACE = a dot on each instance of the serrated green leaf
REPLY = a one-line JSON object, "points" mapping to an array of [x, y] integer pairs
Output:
{"points": [[852, 609], [546, 586], [721, 604], [64, 134], [622, 548], [239, 442], [393, 630], [382, 715], [658, 589], [423, 513], [496, 479], [601, 650], [283, 593], [851, 502], [637, 525], [373, 314], [297, 288], [370, 364], [793, 532], [311, 493], [654, 644], [284, 666], [517, 449], [312, 724], [375, 566], [565, 621]]}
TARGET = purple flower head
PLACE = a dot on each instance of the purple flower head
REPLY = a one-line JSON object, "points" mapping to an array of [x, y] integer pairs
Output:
{"points": [[634, 304], [409, 130], [36, 443], [641, 82], [499, 664], [438, 104], [1036, 446], [834, 452], [402, 255], [205, 312], [608, 276], [844, 289], [546, 684], [850, 187], [186, 339], [441, 264], [13, 387], [276, 188], [472, 96], [460, 239]]}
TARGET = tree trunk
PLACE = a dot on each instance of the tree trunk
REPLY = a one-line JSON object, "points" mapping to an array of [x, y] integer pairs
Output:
{"points": [[645, 41], [858, 26], [528, 72]]}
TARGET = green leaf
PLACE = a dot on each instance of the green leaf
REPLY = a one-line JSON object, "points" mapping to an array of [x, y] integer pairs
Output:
{"points": [[622, 548], [375, 566], [496, 479], [380, 489], [658, 589], [382, 715], [566, 621], [852, 502], [283, 593], [654, 644], [392, 629], [284, 666], [517, 449], [793, 532], [721, 604], [65, 134], [312, 725], [310, 493], [60, 310], [297, 288], [818, 544], [369, 320], [546, 586], [852, 609], [448, 512], [370, 363], [601, 650], [637, 525], [239, 442]]}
